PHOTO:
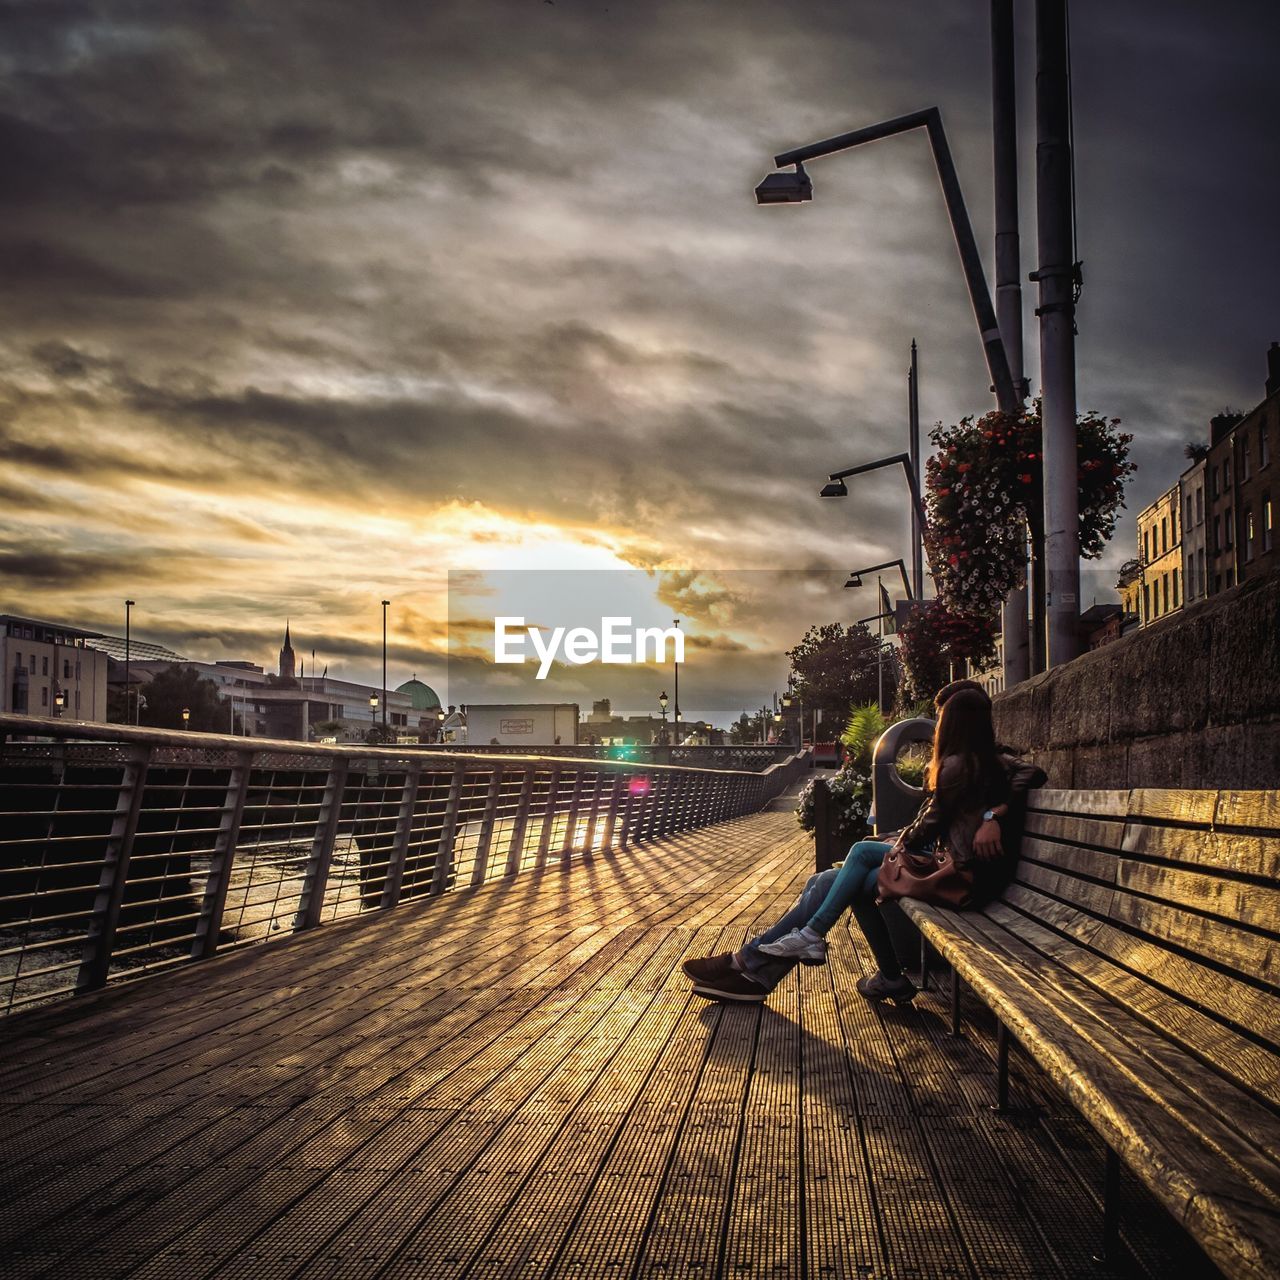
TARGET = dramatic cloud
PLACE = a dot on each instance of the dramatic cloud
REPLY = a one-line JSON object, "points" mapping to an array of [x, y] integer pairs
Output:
{"points": [[307, 305]]}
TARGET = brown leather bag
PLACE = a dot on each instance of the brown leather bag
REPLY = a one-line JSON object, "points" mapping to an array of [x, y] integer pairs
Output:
{"points": [[928, 876]]}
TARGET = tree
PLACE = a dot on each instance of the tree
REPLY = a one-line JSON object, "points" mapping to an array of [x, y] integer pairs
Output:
{"points": [[834, 668], [174, 688], [745, 730]]}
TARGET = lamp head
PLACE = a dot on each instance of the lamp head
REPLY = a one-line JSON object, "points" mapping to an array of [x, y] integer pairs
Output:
{"points": [[854, 581], [663, 700], [785, 188], [835, 489]]}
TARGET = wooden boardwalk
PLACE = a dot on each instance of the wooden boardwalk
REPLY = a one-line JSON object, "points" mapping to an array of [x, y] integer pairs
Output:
{"points": [[516, 1081]]}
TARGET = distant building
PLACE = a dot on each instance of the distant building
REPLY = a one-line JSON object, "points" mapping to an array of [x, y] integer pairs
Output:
{"points": [[1160, 554], [1242, 489], [1100, 625], [52, 670], [1195, 543], [425, 705]]}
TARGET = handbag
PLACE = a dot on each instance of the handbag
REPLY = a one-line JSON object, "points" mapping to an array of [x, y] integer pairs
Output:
{"points": [[929, 875]]}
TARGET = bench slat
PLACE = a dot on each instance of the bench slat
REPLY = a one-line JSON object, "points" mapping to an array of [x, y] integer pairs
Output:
{"points": [[1253, 1122], [1254, 1010], [1173, 805], [1222, 1191], [1236, 1057], [1248, 904], [1097, 803], [1106, 832], [1259, 809]]}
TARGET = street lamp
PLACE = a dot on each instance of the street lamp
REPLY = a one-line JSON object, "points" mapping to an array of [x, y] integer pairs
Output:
{"points": [[59, 701], [855, 575], [385, 603], [373, 709], [662, 702], [186, 717], [1001, 335], [836, 488]]}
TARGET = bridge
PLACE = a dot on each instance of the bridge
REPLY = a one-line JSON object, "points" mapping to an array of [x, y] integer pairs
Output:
{"points": [[382, 1014]]}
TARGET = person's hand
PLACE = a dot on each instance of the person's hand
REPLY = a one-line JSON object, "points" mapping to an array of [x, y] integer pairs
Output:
{"points": [[986, 843]]}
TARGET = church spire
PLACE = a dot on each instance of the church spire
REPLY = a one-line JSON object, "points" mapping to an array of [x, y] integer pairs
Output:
{"points": [[287, 666]]}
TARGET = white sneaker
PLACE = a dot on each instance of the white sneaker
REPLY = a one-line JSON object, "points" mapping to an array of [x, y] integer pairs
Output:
{"points": [[797, 945]]}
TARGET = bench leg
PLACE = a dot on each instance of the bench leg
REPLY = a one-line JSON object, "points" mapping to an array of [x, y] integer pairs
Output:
{"points": [[1110, 1250], [1002, 1070], [924, 963], [955, 1002]]}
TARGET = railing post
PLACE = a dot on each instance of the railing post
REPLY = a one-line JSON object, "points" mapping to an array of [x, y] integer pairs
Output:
{"points": [[628, 813], [611, 813], [444, 855], [668, 798], [548, 816], [515, 851], [480, 868], [575, 804], [593, 813], [209, 925], [95, 960], [311, 900], [392, 885]]}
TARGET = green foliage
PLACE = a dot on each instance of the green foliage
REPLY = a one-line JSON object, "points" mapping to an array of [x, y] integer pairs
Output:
{"points": [[866, 724], [169, 691], [833, 668], [851, 796]]}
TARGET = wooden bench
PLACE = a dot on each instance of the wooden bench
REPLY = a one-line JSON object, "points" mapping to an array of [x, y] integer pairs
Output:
{"points": [[1135, 958]]}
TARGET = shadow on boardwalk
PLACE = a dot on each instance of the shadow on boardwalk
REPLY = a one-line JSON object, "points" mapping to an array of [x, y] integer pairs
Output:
{"points": [[516, 1082]]}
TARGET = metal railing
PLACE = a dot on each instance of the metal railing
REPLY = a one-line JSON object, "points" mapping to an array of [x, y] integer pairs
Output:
{"points": [[750, 756], [125, 851]]}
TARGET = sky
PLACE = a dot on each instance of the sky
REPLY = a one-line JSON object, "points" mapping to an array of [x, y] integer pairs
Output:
{"points": [[307, 305]]}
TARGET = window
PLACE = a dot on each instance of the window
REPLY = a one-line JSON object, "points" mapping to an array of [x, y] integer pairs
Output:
{"points": [[1146, 602], [1216, 544], [1213, 482], [1244, 457], [1175, 588], [1202, 581], [1164, 583], [1190, 520], [1227, 529], [1199, 504], [1164, 535], [66, 668], [44, 665], [1264, 445], [1266, 523], [1248, 533]]}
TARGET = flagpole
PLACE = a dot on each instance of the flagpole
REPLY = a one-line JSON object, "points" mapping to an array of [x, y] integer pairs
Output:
{"points": [[880, 647]]}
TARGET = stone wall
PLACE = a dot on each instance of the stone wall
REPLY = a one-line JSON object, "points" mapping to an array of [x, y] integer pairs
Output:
{"points": [[1191, 701]]}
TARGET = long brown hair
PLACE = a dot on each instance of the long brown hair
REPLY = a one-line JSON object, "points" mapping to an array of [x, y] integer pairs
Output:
{"points": [[964, 729]]}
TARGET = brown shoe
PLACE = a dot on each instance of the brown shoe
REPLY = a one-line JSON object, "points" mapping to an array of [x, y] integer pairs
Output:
{"points": [[709, 968], [733, 986]]}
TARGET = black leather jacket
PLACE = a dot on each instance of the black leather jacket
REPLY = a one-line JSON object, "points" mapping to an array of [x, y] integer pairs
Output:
{"points": [[953, 811]]}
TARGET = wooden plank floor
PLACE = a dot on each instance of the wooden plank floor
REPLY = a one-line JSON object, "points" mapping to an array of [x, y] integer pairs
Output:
{"points": [[516, 1081]]}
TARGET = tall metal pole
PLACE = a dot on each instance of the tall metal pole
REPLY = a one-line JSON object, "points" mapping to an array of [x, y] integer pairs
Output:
{"points": [[913, 417], [1056, 277], [128, 709], [1018, 658], [676, 718], [385, 603], [880, 646]]}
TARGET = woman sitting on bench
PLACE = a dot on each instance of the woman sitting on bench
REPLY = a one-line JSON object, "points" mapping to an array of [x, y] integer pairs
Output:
{"points": [[969, 786]]}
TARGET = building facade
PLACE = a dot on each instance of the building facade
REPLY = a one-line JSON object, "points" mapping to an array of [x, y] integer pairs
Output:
{"points": [[1160, 556], [1195, 544], [1253, 440], [51, 670]]}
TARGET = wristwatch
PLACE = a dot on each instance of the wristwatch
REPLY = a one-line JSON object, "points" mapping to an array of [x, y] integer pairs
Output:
{"points": [[989, 815]]}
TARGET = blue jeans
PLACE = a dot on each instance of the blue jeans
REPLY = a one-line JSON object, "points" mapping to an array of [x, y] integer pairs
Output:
{"points": [[856, 878], [770, 970]]}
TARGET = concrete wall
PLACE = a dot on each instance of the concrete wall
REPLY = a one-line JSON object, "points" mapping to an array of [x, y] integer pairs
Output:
{"points": [[1191, 701]]}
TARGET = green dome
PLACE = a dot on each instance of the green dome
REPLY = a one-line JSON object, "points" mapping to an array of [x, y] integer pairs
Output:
{"points": [[423, 696]]}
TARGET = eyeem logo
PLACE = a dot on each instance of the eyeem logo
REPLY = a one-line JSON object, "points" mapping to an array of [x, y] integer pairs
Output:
{"points": [[617, 641]]}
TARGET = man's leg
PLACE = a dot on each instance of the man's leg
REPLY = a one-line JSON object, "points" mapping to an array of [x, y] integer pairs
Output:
{"points": [[890, 983], [770, 970]]}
